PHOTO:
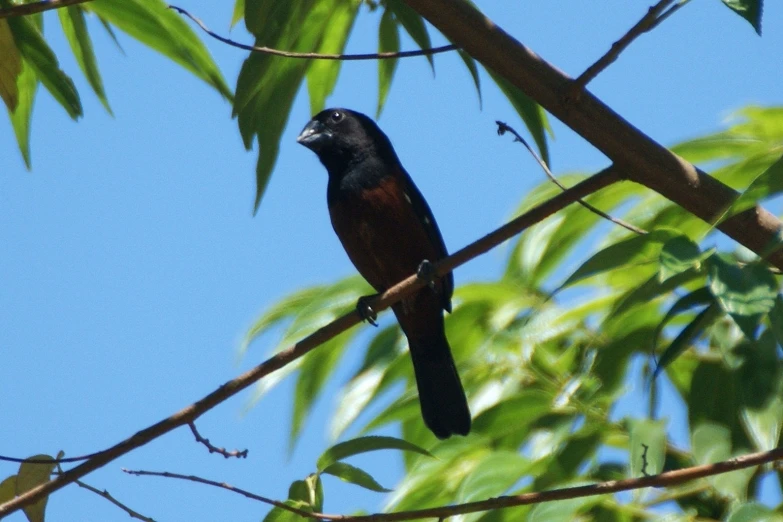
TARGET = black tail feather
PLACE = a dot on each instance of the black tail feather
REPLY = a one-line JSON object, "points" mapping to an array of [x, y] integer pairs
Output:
{"points": [[443, 403]]}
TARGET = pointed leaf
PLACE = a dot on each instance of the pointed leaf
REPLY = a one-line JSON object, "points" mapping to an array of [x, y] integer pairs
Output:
{"points": [[20, 118], [753, 512], [700, 297], [766, 185], [470, 63], [776, 319], [354, 475], [322, 74], [359, 445], [277, 514], [686, 337], [152, 23], [388, 41], [413, 24], [750, 10], [10, 67], [238, 13], [637, 249], [42, 60], [75, 29], [747, 293], [29, 476], [680, 254], [493, 476]]}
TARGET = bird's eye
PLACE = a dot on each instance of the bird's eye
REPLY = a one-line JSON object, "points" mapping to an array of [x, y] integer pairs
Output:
{"points": [[336, 116]]}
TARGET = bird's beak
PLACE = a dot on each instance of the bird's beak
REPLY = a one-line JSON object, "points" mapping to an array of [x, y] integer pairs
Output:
{"points": [[314, 136]]}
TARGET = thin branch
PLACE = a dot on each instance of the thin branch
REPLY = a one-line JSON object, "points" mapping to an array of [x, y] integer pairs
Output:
{"points": [[105, 494], [503, 128], [669, 478], [214, 449], [314, 56], [48, 461], [653, 17], [37, 7], [222, 485], [189, 414]]}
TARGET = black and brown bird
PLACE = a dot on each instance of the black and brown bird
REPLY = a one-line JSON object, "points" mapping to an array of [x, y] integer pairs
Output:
{"points": [[388, 230]]}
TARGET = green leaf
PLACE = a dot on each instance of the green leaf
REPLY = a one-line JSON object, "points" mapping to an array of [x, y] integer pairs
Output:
{"points": [[563, 510], [314, 371], [761, 381], [680, 254], [354, 475], [413, 24], [686, 337], [7, 489], [776, 319], [10, 67], [20, 118], [531, 113], [714, 397], [75, 29], [648, 447], [359, 445], [28, 477], [750, 10], [277, 514], [470, 63], [322, 74], [766, 185], [636, 250], [42, 60], [747, 293], [388, 41], [493, 476], [152, 23], [238, 13], [513, 415], [652, 289], [753, 512]]}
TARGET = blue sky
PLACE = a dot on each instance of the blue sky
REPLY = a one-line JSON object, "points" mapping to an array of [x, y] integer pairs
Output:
{"points": [[132, 264]]}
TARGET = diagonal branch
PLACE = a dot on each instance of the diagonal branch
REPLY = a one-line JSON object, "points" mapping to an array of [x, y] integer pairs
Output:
{"points": [[639, 157], [314, 56], [189, 414], [36, 7], [654, 16], [666, 479]]}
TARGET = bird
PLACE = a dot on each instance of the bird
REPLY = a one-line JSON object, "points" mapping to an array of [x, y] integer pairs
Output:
{"points": [[389, 233]]}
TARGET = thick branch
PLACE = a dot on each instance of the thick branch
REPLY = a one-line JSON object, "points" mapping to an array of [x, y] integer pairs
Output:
{"points": [[635, 153], [391, 296], [37, 7]]}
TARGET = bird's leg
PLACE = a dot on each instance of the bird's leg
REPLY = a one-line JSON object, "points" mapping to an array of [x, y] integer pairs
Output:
{"points": [[426, 272], [364, 309]]}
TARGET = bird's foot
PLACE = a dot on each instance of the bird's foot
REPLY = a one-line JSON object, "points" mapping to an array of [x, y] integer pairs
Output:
{"points": [[366, 311], [426, 272]]}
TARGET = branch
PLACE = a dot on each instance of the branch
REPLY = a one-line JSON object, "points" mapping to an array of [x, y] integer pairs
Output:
{"points": [[189, 414], [638, 156], [314, 56], [105, 494], [214, 449], [503, 128], [654, 16], [37, 7], [669, 478]]}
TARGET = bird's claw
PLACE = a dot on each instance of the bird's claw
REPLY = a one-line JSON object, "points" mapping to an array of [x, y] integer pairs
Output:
{"points": [[426, 272], [366, 311]]}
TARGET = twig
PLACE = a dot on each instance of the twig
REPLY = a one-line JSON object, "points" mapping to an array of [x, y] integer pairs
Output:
{"points": [[222, 485], [314, 56], [644, 460], [654, 16], [189, 414], [666, 479], [105, 494], [48, 461], [503, 128], [214, 449], [37, 7]]}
